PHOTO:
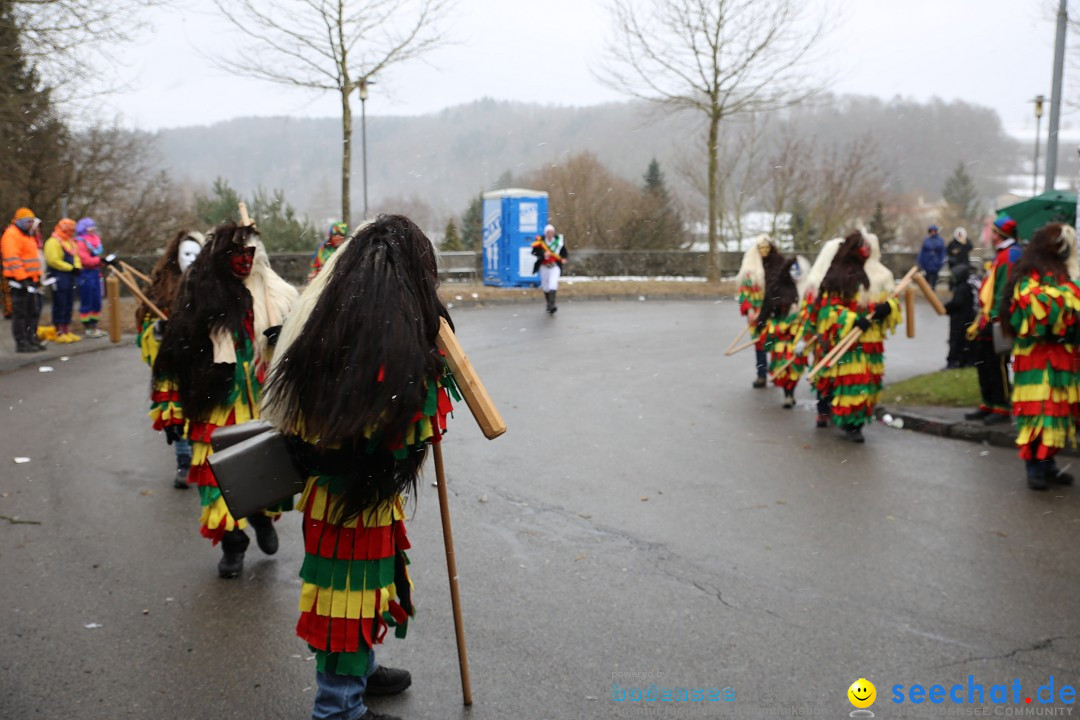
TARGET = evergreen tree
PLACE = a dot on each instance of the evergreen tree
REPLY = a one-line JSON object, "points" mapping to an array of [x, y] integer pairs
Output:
{"points": [[34, 141], [803, 234], [279, 227], [472, 225], [654, 222], [960, 192], [451, 239], [880, 227]]}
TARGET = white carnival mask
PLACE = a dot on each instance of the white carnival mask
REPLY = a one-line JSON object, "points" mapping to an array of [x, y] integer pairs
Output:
{"points": [[188, 251]]}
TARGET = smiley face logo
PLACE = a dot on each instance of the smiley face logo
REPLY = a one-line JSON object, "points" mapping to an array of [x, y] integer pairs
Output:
{"points": [[862, 693]]}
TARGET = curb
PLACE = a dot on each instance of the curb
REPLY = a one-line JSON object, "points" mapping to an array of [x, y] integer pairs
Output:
{"points": [[9, 363], [1003, 436]]}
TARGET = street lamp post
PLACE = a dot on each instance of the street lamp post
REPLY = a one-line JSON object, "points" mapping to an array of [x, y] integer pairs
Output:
{"points": [[1039, 99], [363, 133]]}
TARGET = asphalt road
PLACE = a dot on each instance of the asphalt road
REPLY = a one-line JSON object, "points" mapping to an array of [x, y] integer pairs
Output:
{"points": [[648, 518]]}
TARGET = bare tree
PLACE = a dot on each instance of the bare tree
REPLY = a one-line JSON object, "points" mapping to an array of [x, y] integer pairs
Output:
{"points": [[68, 41], [719, 58], [331, 45]]}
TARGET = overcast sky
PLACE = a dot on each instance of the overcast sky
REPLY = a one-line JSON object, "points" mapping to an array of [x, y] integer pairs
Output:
{"points": [[992, 52]]}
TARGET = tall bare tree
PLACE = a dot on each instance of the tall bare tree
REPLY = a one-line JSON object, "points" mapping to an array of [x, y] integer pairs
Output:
{"points": [[718, 58], [331, 45], [73, 44]]}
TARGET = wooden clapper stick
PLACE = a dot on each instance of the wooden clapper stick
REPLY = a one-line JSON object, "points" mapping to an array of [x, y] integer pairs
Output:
{"points": [[492, 425], [731, 349], [849, 340], [122, 275]]}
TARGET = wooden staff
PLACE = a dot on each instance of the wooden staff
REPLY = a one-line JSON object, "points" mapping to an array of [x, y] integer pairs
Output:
{"points": [[748, 343], [909, 308], [133, 271], [112, 303], [931, 296], [134, 288], [492, 425], [848, 340], [451, 570], [731, 348]]}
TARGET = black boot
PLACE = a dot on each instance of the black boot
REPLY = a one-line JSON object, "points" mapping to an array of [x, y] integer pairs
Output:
{"points": [[180, 481], [554, 306], [265, 534], [854, 433], [387, 681], [547, 299], [233, 546], [789, 400], [979, 414], [1056, 477], [759, 382]]}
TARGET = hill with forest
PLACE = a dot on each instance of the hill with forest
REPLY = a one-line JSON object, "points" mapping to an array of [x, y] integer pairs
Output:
{"points": [[435, 164]]}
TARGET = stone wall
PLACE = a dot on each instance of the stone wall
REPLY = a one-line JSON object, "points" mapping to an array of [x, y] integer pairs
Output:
{"points": [[453, 266]]}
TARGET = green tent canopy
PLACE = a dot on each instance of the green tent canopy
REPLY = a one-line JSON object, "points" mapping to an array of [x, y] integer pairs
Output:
{"points": [[1051, 206]]}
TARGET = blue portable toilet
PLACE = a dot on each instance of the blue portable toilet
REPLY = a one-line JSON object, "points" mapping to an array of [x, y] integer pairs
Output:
{"points": [[512, 220]]}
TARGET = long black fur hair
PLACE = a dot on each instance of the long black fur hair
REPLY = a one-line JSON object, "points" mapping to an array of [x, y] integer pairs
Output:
{"points": [[1041, 256], [781, 292], [364, 361], [211, 297], [848, 269], [164, 279]]}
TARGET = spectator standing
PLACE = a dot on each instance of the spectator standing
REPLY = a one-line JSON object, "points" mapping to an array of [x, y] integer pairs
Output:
{"points": [[961, 310], [62, 259], [90, 251], [22, 274], [958, 251], [932, 255]]}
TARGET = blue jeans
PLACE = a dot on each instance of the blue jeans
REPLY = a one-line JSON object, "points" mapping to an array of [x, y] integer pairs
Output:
{"points": [[761, 360], [341, 697], [183, 452]]}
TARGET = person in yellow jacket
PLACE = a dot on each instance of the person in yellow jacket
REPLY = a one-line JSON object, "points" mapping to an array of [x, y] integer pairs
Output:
{"points": [[62, 259], [22, 275]]}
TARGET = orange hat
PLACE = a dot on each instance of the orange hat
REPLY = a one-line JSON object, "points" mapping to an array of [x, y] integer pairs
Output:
{"points": [[23, 213], [65, 228]]}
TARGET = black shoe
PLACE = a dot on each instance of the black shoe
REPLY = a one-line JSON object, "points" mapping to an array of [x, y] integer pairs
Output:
{"points": [[180, 481], [976, 415], [369, 715], [231, 565], [1056, 477], [822, 420], [759, 382], [265, 534], [388, 681], [789, 402], [855, 434], [1037, 482], [996, 419], [24, 348]]}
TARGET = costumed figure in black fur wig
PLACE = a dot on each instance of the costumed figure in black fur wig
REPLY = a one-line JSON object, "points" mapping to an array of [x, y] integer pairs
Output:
{"points": [[760, 260], [361, 425], [211, 365], [778, 324], [1040, 311], [164, 286], [855, 292]]}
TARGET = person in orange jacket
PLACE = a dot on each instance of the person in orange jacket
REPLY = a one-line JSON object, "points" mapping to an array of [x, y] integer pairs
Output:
{"points": [[22, 273]]}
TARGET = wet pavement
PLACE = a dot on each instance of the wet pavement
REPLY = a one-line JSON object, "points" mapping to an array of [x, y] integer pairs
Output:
{"points": [[648, 518]]}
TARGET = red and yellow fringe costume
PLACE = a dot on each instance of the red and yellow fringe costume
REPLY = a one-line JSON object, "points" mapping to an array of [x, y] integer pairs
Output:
{"points": [[751, 297], [780, 337], [1045, 316], [355, 574], [167, 409], [854, 381]]}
